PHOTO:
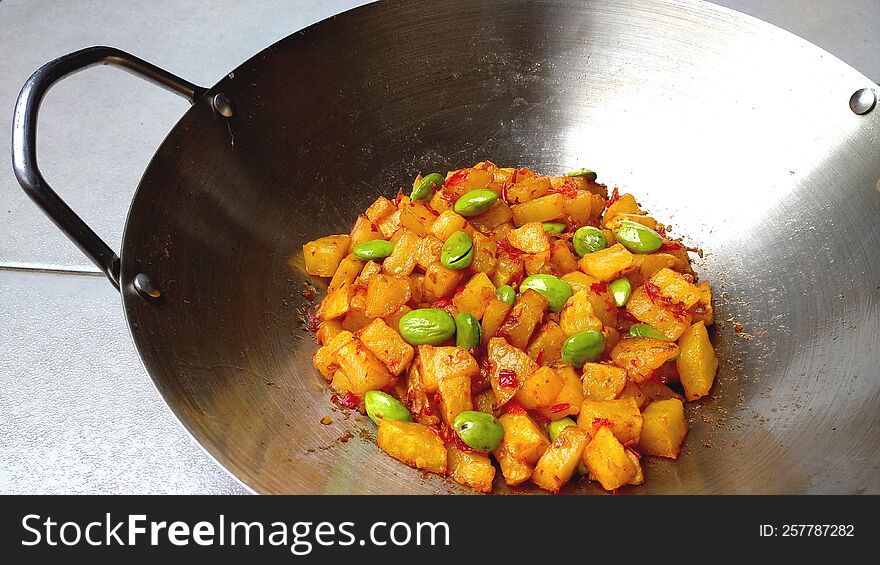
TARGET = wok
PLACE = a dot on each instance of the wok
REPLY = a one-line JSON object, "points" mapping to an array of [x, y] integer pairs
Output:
{"points": [[758, 146]]}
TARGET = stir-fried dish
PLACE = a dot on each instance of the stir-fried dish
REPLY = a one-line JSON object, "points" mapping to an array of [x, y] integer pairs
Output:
{"points": [[498, 314]]}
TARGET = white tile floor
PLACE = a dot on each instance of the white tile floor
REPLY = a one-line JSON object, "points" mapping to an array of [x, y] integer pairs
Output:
{"points": [[77, 411]]}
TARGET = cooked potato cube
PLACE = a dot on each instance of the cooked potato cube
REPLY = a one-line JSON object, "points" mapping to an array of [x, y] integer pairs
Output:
{"points": [[674, 287], [470, 468], [541, 209], [646, 264], [652, 391], [393, 320], [387, 345], [703, 311], [447, 224], [475, 296], [540, 389], [571, 396], [355, 319], [380, 209], [416, 217], [579, 207], [485, 251], [523, 439], [485, 401], [535, 263], [363, 230], [626, 204], [559, 462], [414, 444], [602, 382], [346, 274], [508, 269], [327, 330], [639, 477], [530, 238], [514, 471], [632, 390], [621, 416], [365, 371], [509, 368], [670, 321], [562, 259], [403, 259], [547, 344], [323, 255], [385, 295], [370, 269], [641, 356], [337, 304], [664, 429], [441, 282], [528, 189], [429, 251], [455, 386], [522, 319], [607, 461], [389, 224], [579, 281], [465, 180], [697, 363], [325, 357], [607, 264], [493, 317], [577, 315], [417, 399], [498, 214]]}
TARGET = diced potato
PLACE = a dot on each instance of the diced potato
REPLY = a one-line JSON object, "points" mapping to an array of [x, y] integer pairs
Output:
{"points": [[646, 264], [641, 356], [363, 230], [447, 224], [674, 287], [485, 401], [522, 319], [639, 477], [380, 209], [626, 204], [562, 259], [528, 189], [653, 391], [510, 367], [602, 382], [441, 282], [417, 218], [579, 281], [325, 357], [580, 207], [665, 428], [515, 472], [547, 344], [542, 209], [417, 397], [571, 396], [455, 388], [388, 346], [634, 391], [577, 315], [530, 238], [465, 180], [697, 363], [485, 251], [450, 362], [370, 269], [607, 461], [389, 224], [414, 444], [704, 311], [540, 389], [621, 416], [607, 264], [534, 263], [346, 274], [508, 270], [523, 439], [323, 255], [385, 295], [337, 304], [429, 251], [498, 214], [403, 259], [475, 296], [559, 462], [612, 338], [365, 371], [355, 320], [493, 317], [470, 468], [327, 330], [670, 321]]}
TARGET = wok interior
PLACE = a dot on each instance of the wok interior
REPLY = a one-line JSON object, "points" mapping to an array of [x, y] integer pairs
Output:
{"points": [[736, 133]]}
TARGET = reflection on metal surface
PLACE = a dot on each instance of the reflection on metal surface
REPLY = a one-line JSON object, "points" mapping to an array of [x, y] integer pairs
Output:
{"points": [[863, 101], [734, 130]]}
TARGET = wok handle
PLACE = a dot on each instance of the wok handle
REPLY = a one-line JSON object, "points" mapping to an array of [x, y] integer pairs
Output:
{"points": [[24, 140]]}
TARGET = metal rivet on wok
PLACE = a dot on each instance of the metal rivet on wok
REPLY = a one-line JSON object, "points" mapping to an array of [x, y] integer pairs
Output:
{"points": [[862, 101], [222, 105], [145, 286]]}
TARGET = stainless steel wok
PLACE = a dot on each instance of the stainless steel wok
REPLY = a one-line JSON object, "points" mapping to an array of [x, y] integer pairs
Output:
{"points": [[748, 138]]}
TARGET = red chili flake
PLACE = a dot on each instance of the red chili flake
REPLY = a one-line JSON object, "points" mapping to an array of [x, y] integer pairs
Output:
{"points": [[510, 250], [653, 291], [568, 188], [504, 191], [634, 452], [661, 229], [670, 245], [310, 321], [561, 407], [526, 171], [399, 196], [427, 410], [432, 211], [599, 287], [540, 356], [507, 378], [457, 177], [514, 408], [599, 422], [446, 195], [373, 227], [615, 196], [348, 400], [513, 177]]}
